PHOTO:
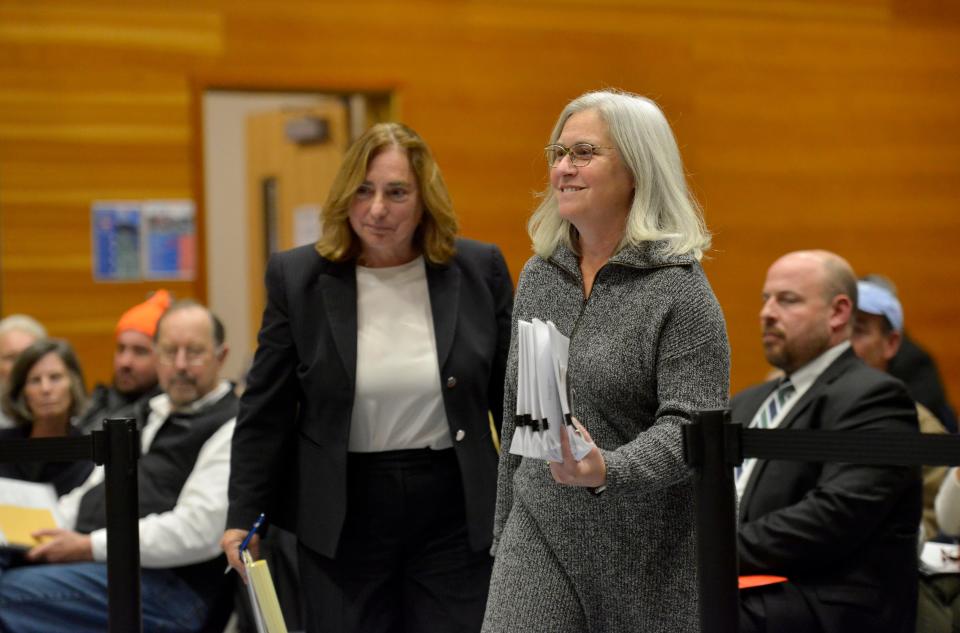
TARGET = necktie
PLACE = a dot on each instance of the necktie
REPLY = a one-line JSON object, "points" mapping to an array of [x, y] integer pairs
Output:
{"points": [[770, 409], [768, 413]]}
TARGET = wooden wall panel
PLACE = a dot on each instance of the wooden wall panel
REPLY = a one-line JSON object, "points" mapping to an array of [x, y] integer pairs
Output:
{"points": [[829, 123], [93, 106]]}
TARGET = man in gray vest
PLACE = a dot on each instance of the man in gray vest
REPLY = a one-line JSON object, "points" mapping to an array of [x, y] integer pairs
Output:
{"points": [[183, 474]]}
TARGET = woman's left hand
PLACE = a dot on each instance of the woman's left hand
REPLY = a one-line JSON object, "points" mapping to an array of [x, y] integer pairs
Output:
{"points": [[590, 472]]}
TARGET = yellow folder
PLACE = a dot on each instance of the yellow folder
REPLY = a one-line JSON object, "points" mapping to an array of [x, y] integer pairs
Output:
{"points": [[18, 523], [25, 507], [263, 596]]}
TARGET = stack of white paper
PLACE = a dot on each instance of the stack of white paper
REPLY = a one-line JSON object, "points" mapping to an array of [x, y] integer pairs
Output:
{"points": [[543, 411], [939, 558]]}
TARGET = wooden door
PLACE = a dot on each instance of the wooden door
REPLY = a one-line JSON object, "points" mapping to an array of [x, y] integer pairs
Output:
{"points": [[292, 158]]}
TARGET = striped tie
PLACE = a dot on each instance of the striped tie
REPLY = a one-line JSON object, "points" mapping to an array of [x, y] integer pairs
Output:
{"points": [[768, 412], [766, 415]]}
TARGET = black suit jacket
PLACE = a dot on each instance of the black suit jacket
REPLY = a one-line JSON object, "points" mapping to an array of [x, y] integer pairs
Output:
{"points": [[290, 444], [845, 535]]}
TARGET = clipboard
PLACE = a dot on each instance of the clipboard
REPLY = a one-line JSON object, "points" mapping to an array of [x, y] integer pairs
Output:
{"points": [[263, 596]]}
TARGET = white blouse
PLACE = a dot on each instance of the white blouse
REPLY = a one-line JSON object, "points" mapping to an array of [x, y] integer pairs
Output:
{"points": [[397, 404]]}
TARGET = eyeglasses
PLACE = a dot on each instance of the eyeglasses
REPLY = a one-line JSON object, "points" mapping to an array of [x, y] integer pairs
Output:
{"points": [[580, 153], [194, 356]]}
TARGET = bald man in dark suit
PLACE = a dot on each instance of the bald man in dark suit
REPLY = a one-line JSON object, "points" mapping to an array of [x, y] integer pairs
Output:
{"points": [[844, 535]]}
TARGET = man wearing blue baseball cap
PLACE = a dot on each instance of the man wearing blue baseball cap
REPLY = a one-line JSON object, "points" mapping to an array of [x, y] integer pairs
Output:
{"points": [[878, 325], [877, 333], [917, 369]]}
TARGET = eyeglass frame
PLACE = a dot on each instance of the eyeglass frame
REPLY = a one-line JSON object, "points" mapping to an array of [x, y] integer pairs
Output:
{"points": [[193, 358], [568, 152]]}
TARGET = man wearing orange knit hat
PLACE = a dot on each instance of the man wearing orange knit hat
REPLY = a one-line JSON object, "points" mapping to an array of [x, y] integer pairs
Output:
{"points": [[134, 365]]}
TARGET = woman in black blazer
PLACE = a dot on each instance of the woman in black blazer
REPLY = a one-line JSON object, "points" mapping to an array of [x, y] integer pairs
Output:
{"points": [[366, 425]]}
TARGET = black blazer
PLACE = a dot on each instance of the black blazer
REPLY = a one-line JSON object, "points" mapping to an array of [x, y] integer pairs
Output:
{"points": [[844, 534], [290, 444]]}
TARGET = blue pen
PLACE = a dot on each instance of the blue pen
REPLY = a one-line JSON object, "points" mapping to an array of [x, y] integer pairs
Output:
{"points": [[246, 540], [253, 530]]}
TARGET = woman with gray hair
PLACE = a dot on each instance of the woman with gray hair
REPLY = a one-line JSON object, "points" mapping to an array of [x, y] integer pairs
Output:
{"points": [[607, 543], [45, 394]]}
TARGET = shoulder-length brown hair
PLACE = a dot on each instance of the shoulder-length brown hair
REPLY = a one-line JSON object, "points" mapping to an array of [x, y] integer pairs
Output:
{"points": [[15, 402], [436, 235]]}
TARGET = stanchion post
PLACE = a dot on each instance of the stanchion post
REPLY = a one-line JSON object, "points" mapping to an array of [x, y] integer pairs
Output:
{"points": [[123, 532], [710, 443]]}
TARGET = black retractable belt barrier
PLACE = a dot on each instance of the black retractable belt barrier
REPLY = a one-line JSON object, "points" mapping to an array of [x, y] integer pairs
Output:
{"points": [[850, 447], [117, 448], [713, 446], [123, 528], [705, 446]]}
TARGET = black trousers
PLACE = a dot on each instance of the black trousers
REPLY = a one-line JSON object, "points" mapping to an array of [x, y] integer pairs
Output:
{"points": [[404, 563]]}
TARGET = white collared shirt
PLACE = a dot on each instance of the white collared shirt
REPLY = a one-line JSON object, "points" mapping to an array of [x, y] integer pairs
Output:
{"points": [[190, 532], [802, 380]]}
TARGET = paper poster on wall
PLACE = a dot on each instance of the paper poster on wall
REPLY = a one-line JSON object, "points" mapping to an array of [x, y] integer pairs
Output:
{"points": [[116, 240], [169, 240]]}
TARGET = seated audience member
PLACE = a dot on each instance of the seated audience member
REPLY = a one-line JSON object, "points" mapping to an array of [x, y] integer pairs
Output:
{"points": [[17, 333], [876, 338], [844, 535], [183, 474], [134, 366], [916, 368], [44, 394], [938, 610]]}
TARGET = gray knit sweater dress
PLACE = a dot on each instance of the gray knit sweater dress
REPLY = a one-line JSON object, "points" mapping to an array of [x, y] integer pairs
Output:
{"points": [[647, 347]]}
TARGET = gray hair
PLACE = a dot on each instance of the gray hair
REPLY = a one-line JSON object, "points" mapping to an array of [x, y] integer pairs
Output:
{"points": [[663, 207], [22, 323]]}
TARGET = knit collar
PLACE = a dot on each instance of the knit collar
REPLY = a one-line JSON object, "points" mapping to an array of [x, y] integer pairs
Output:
{"points": [[650, 254]]}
